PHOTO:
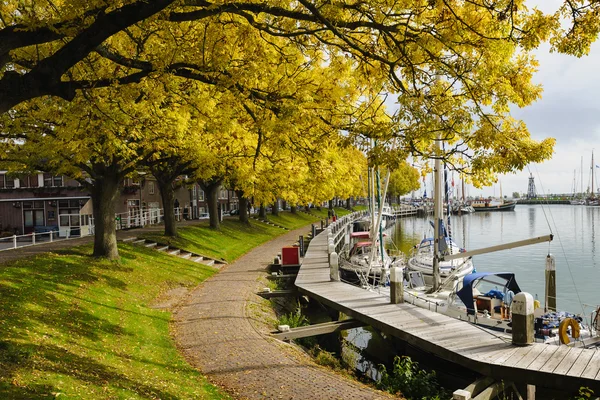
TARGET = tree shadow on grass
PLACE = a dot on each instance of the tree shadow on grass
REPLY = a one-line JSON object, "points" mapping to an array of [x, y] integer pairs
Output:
{"points": [[58, 360]]}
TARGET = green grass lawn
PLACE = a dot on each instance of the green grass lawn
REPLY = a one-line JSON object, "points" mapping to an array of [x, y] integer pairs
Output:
{"points": [[293, 221], [73, 326], [322, 213], [230, 242]]}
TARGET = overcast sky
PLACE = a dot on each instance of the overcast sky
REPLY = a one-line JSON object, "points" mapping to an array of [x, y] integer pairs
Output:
{"points": [[569, 111]]}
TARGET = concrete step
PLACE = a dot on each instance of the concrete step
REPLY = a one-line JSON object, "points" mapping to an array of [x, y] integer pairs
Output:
{"points": [[174, 252], [187, 256], [151, 245], [162, 248], [210, 263], [129, 239], [139, 241], [197, 258]]}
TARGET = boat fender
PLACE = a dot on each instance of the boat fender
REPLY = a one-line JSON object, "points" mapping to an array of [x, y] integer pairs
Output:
{"points": [[536, 304], [562, 330]]}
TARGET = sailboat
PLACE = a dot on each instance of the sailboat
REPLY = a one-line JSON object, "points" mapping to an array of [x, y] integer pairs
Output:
{"points": [[592, 200], [490, 204], [467, 297], [367, 262], [577, 200], [426, 257]]}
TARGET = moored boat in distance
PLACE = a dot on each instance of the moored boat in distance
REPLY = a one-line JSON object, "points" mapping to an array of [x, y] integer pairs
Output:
{"points": [[493, 205]]}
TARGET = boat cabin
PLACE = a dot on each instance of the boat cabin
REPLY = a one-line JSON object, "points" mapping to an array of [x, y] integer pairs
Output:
{"points": [[480, 293]]}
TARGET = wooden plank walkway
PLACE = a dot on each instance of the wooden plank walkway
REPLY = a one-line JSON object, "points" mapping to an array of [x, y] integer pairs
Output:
{"points": [[550, 366]]}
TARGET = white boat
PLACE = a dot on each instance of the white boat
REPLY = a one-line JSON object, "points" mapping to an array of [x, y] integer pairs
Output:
{"points": [[485, 299], [422, 260], [366, 261], [361, 267]]}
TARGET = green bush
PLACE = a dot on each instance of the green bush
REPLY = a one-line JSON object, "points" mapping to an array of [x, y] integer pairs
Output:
{"points": [[584, 394], [325, 358], [413, 383], [293, 319]]}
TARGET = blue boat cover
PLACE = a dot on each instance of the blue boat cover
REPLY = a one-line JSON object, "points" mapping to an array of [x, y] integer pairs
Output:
{"points": [[466, 293]]}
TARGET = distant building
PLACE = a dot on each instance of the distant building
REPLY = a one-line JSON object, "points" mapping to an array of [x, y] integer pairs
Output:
{"points": [[40, 202]]}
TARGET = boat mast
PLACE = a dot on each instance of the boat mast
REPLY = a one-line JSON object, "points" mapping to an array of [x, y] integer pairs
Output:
{"points": [[437, 213], [592, 174], [581, 173]]}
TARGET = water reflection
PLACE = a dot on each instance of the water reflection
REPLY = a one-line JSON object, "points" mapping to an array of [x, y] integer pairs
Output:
{"points": [[531, 216]]}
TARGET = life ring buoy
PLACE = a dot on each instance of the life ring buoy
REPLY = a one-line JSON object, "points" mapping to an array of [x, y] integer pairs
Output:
{"points": [[562, 330]]}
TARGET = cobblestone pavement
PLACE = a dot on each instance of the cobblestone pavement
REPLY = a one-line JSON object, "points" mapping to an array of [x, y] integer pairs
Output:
{"points": [[216, 332]]}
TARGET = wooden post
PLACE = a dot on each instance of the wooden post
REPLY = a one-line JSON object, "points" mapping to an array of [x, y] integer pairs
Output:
{"points": [[334, 267], [301, 245], [550, 297], [461, 394], [313, 230], [530, 392], [522, 319], [396, 285]]}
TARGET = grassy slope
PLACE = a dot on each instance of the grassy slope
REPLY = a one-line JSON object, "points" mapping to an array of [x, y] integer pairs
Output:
{"points": [[233, 240], [79, 327]]}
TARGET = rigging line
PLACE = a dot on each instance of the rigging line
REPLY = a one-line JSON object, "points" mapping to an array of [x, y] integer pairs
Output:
{"points": [[562, 247]]}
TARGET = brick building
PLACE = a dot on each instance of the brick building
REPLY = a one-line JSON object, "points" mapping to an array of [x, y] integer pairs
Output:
{"points": [[38, 202]]}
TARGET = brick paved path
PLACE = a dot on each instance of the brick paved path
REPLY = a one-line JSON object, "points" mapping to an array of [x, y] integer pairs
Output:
{"points": [[214, 329]]}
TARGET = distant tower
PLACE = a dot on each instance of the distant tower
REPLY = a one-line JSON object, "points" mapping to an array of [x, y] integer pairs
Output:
{"points": [[531, 189]]}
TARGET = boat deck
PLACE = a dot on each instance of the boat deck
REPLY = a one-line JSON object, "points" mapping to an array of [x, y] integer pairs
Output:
{"points": [[550, 366]]}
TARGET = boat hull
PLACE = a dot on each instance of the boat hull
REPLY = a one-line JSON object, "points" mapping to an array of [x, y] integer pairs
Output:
{"points": [[500, 207]]}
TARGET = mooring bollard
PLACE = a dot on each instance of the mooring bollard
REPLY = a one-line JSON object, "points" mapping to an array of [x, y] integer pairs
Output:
{"points": [[334, 267], [522, 319], [396, 285]]}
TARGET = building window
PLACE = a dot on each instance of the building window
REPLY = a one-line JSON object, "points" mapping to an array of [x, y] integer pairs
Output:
{"points": [[8, 182], [52, 181], [151, 187], [201, 195]]}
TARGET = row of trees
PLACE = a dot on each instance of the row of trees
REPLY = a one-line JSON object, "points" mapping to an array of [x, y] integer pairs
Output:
{"points": [[275, 98]]}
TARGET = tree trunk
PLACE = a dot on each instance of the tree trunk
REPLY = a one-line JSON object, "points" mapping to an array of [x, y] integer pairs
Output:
{"points": [[331, 204], [307, 208], [105, 192], [211, 191], [293, 209], [348, 205], [262, 212], [212, 199], [275, 209], [243, 206], [167, 195]]}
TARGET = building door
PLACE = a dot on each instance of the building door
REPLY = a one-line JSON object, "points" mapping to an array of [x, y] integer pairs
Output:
{"points": [[32, 218]]}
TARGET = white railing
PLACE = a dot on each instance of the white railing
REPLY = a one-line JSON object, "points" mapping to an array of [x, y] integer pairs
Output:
{"points": [[83, 225], [141, 218], [31, 239]]}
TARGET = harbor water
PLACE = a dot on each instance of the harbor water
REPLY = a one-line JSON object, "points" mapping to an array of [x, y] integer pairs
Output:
{"points": [[576, 247]]}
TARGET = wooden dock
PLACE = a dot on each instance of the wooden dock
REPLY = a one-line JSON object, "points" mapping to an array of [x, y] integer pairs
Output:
{"points": [[549, 366]]}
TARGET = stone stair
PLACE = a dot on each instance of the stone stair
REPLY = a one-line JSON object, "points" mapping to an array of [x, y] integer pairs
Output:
{"points": [[264, 221], [188, 255]]}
